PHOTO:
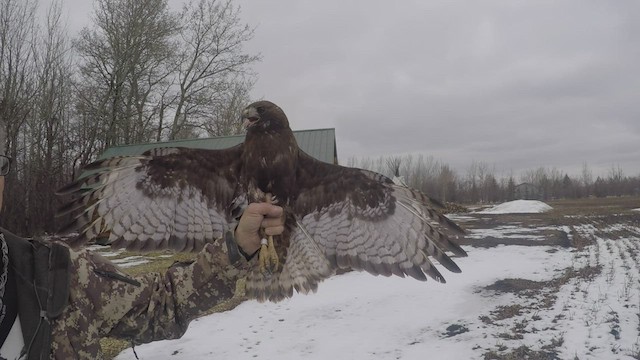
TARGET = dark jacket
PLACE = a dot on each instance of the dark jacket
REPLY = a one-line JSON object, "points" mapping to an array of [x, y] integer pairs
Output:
{"points": [[41, 273]]}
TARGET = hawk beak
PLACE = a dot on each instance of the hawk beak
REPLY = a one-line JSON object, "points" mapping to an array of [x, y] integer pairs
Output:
{"points": [[249, 117], [247, 123]]}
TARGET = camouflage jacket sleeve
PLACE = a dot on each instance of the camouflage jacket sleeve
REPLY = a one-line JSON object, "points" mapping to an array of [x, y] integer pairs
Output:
{"points": [[104, 301]]}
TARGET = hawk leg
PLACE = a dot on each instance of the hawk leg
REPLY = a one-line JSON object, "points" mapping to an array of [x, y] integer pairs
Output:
{"points": [[268, 258]]}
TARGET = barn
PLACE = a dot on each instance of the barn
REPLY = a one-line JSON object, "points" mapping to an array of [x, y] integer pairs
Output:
{"points": [[319, 143]]}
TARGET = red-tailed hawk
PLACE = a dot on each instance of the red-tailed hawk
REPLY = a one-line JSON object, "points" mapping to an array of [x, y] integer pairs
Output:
{"points": [[336, 217]]}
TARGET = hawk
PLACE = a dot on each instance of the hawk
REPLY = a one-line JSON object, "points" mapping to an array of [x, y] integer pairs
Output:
{"points": [[336, 217]]}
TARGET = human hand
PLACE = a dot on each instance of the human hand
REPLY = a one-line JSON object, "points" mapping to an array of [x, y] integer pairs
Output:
{"points": [[256, 216]]}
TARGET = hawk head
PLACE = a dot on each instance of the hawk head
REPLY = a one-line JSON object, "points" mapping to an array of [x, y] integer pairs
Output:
{"points": [[262, 116]]}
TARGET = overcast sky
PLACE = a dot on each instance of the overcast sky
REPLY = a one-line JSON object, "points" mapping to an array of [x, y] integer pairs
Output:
{"points": [[516, 84]]}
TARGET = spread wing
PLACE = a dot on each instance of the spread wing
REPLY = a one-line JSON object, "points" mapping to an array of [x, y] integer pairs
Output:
{"points": [[174, 198], [358, 219]]}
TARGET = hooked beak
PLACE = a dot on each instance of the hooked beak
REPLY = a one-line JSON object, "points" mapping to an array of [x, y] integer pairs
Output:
{"points": [[249, 117]]}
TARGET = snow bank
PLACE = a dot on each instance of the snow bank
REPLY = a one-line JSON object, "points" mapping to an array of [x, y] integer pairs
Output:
{"points": [[519, 207], [638, 209]]}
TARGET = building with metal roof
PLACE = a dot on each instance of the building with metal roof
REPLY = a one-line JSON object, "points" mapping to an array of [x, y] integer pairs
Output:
{"points": [[319, 143]]}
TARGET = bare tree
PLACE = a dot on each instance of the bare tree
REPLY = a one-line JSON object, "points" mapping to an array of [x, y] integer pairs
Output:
{"points": [[510, 188], [59, 117], [223, 119], [125, 64], [586, 178], [447, 183], [46, 160], [35, 89], [209, 63], [616, 180], [480, 184], [17, 27], [477, 183], [393, 165], [17, 91]]}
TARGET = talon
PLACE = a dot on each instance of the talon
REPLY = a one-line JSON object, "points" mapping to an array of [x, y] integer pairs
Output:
{"points": [[263, 259], [275, 261], [268, 258]]}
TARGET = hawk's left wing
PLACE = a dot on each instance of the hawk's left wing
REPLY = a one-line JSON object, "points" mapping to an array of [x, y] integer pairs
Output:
{"points": [[358, 219], [174, 198]]}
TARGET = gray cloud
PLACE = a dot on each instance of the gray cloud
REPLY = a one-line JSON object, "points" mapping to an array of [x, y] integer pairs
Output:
{"points": [[519, 84]]}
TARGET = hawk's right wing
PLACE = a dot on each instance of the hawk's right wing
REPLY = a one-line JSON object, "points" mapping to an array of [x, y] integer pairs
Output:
{"points": [[176, 198]]}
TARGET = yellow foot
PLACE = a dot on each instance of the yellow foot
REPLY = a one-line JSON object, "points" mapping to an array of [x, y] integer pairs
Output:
{"points": [[268, 258]]}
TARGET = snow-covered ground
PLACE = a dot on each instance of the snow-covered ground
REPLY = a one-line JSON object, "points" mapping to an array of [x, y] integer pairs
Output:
{"points": [[550, 301], [518, 207]]}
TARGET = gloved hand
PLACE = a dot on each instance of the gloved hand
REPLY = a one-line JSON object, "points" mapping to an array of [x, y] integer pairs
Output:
{"points": [[256, 216]]}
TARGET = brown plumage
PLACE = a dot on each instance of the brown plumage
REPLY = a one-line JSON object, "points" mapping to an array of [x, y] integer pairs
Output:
{"points": [[336, 217]]}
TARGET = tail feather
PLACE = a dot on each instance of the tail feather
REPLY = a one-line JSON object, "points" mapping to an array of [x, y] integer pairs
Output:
{"points": [[304, 268]]}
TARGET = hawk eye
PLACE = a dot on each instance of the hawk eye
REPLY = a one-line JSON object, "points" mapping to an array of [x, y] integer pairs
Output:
{"points": [[260, 109]]}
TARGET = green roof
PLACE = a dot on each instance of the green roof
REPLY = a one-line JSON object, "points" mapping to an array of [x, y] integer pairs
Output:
{"points": [[319, 143]]}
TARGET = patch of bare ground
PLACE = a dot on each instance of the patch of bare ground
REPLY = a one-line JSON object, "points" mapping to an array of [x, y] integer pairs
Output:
{"points": [[595, 206], [453, 208], [530, 287], [604, 234], [538, 296], [553, 238], [455, 329], [547, 352], [524, 286], [580, 241], [543, 291], [506, 312], [523, 352]]}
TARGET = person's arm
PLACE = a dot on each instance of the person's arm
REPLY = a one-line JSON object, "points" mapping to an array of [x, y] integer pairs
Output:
{"points": [[104, 301]]}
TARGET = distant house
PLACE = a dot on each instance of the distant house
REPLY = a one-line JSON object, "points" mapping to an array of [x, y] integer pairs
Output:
{"points": [[527, 191], [319, 143]]}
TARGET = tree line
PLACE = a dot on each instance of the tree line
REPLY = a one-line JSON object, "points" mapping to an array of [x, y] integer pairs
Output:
{"points": [[480, 183], [141, 72]]}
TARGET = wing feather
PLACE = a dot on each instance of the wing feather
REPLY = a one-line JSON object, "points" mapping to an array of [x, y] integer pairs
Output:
{"points": [[175, 198], [356, 219]]}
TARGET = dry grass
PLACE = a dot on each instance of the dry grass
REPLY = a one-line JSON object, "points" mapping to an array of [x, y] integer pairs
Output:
{"points": [[595, 206], [506, 312], [523, 352]]}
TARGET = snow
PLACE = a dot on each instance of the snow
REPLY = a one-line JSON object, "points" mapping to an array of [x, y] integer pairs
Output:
{"points": [[508, 232], [638, 209], [359, 316], [518, 207]]}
